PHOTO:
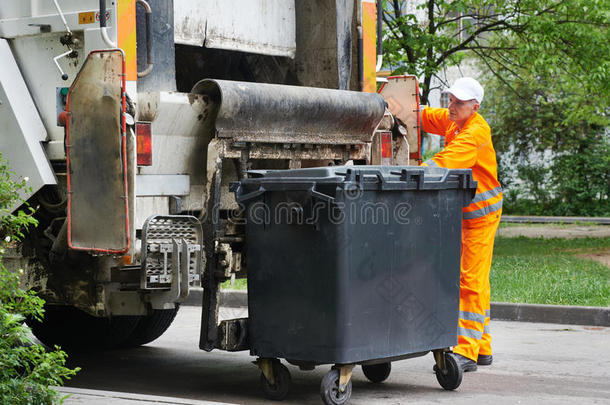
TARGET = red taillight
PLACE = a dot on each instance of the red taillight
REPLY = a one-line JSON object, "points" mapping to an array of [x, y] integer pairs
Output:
{"points": [[63, 118], [144, 143], [386, 148]]}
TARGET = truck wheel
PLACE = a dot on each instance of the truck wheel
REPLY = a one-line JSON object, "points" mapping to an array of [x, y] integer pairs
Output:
{"points": [[72, 329], [377, 372], [150, 327], [329, 389]]}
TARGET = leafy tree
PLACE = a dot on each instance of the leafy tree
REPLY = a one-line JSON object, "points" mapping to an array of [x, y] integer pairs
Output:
{"points": [[549, 91], [27, 370], [425, 37], [554, 160], [546, 70]]}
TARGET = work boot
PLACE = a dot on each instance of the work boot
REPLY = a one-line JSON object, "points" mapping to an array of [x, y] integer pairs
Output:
{"points": [[485, 359], [465, 363]]}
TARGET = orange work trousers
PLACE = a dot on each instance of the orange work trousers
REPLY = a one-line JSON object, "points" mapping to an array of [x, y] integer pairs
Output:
{"points": [[478, 235]]}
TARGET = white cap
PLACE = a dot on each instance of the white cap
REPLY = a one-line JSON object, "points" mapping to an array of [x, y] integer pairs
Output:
{"points": [[467, 88]]}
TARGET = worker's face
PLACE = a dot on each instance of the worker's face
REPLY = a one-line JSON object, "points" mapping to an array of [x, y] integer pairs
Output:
{"points": [[460, 110]]}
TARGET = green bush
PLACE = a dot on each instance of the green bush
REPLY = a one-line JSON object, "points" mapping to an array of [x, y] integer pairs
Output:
{"points": [[27, 370], [581, 179], [576, 183], [552, 139], [429, 154]]}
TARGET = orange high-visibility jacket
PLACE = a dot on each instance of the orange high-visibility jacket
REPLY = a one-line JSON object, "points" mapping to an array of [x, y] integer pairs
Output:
{"points": [[467, 148]]}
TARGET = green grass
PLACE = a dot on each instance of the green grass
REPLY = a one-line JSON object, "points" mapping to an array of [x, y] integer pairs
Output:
{"points": [[541, 271], [240, 284], [509, 224], [547, 271]]}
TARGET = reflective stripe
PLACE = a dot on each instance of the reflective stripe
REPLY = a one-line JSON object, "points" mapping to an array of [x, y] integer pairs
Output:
{"points": [[481, 212], [487, 313], [486, 195], [486, 143], [472, 316], [470, 333], [431, 163], [487, 329]]}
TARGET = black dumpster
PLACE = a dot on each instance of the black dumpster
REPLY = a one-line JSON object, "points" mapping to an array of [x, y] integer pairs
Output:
{"points": [[353, 264]]}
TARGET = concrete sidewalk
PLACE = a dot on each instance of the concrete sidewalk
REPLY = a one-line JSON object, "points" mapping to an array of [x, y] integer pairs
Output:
{"points": [[548, 231]]}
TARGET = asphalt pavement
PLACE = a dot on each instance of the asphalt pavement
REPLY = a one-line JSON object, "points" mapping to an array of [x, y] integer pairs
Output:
{"points": [[560, 355], [534, 363]]}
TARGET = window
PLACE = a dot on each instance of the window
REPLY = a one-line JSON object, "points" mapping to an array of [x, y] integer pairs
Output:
{"points": [[444, 99], [469, 21]]}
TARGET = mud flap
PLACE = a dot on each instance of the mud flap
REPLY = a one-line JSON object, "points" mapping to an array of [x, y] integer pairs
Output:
{"points": [[96, 156], [401, 93]]}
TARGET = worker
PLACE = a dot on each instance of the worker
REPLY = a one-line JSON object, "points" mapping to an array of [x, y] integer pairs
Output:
{"points": [[468, 146]]}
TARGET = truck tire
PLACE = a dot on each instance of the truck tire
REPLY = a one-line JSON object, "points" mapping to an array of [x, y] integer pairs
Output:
{"points": [[150, 327], [74, 330]]}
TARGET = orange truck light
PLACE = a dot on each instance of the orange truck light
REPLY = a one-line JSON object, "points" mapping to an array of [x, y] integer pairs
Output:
{"points": [[386, 148], [144, 143]]}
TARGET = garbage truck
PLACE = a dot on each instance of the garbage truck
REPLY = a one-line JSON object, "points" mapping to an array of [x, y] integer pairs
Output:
{"points": [[130, 118]]}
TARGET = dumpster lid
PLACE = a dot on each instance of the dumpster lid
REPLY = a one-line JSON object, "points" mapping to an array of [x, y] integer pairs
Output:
{"points": [[366, 177]]}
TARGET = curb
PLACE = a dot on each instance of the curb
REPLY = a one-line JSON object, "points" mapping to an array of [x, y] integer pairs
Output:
{"points": [[228, 298], [79, 396], [564, 314], [506, 311], [554, 220]]}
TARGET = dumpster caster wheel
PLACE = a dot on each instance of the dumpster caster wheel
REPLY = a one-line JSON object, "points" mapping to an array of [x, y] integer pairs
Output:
{"points": [[330, 392], [451, 377], [278, 390], [377, 372]]}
